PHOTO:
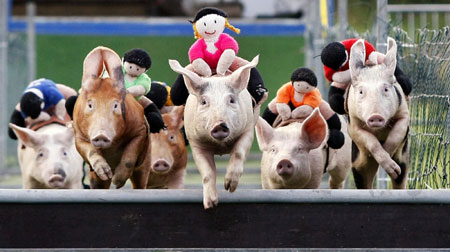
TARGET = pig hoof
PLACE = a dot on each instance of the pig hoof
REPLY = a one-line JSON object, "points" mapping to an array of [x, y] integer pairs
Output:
{"points": [[102, 170], [119, 183], [231, 181], [210, 201], [392, 169]]}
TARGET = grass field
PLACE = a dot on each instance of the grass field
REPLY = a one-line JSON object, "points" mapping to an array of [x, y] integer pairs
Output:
{"points": [[60, 58]]}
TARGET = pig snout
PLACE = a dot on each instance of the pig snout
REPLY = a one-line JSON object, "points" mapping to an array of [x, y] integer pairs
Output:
{"points": [[376, 121], [101, 140], [285, 168], [58, 176], [220, 131], [161, 165]]}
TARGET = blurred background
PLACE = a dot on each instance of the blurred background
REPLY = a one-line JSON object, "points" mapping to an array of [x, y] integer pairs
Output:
{"points": [[50, 38]]}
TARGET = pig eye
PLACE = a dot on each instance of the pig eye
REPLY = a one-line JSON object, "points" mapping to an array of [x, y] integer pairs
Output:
{"points": [[215, 22], [41, 154], [204, 24], [232, 100], [90, 106], [203, 101], [171, 137], [273, 149]]}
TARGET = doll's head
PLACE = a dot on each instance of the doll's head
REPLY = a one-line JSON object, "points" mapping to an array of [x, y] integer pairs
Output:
{"points": [[210, 22], [303, 80], [136, 62], [334, 55], [32, 103]]}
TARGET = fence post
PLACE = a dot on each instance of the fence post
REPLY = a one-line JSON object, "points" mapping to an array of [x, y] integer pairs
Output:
{"points": [[342, 19], [4, 9], [315, 44], [381, 46], [31, 38]]}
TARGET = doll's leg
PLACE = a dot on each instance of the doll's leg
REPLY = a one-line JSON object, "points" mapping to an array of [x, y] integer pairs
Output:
{"points": [[70, 104], [336, 138], [256, 86], [179, 92], [336, 99], [153, 116], [269, 116], [403, 80], [17, 119], [158, 94]]}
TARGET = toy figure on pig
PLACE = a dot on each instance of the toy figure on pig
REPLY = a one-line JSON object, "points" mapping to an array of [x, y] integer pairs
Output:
{"points": [[215, 53], [136, 63], [335, 58], [301, 96], [41, 100]]}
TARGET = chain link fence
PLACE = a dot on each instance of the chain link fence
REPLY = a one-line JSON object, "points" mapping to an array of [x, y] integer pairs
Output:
{"points": [[16, 83], [425, 58]]}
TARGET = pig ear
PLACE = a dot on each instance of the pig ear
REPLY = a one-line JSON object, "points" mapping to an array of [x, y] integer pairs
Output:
{"points": [[239, 79], [92, 67], [194, 83], [177, 116], [264, 133], [391, 57], [113, 66], [314, 130], [66, 137], [357, 58], [28, 137]]}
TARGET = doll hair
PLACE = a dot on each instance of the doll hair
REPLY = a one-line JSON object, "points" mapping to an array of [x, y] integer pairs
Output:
{"points": [[227, 24]]}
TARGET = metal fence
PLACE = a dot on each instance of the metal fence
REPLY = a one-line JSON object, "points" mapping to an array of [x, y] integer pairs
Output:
{"points": [[425, 57]]}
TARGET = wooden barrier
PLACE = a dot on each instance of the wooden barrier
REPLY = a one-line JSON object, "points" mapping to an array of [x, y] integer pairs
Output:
{"points": [[244, 219]]}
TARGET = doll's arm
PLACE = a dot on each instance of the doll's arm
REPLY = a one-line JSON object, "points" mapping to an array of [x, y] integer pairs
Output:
{"points": [[342, 76], [136, 91], [43, 116], [225, 61], [375, 58], [283, 110], [201, 67], [302, 111], [60, 109]]}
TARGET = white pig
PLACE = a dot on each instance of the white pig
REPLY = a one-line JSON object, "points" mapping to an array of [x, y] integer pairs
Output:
{"points": [[292, 155], [379, 119], [48, 158], [219, 119]]}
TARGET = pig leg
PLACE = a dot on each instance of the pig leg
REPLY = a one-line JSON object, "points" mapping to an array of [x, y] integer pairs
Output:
{"points": [[128, 160], [204, 160], [139, 178], [367, 140], [364, 168], [94, 158], [396, 136], [401, 157], [238, 155], [177, 180]]}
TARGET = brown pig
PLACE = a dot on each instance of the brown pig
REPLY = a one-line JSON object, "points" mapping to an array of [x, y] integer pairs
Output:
{"points": [[169, 153], [111, 132]]}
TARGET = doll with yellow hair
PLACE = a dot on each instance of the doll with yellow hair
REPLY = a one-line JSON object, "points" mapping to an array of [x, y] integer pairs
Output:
{"points": [[215, 53]]}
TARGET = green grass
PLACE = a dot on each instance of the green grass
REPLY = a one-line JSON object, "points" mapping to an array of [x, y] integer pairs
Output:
{"points": [[60, 58]]}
